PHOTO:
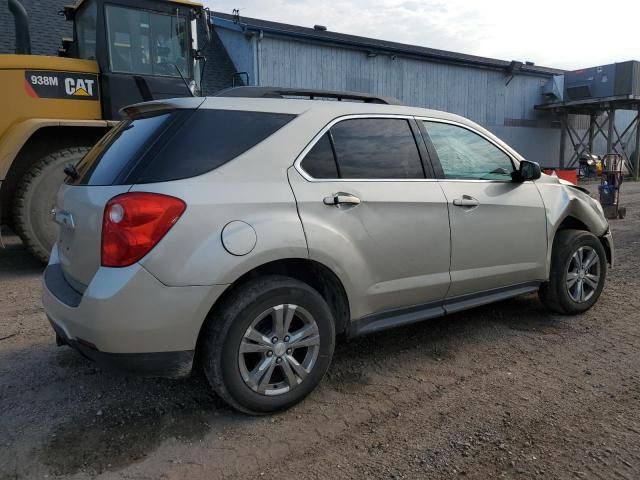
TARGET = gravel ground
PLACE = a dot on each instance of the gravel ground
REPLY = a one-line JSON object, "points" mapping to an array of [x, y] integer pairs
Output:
{"points": [[503, 391]]}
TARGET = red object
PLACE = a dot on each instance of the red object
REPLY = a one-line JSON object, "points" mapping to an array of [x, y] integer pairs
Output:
{"points": [[134, 223], [29, 89], [568, 174]]}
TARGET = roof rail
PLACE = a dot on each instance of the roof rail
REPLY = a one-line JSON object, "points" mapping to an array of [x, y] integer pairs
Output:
{"points": [[311, 94]]}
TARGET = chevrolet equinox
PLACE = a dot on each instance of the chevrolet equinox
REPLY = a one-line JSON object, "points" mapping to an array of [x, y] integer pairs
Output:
{"points": [[244, 232]]}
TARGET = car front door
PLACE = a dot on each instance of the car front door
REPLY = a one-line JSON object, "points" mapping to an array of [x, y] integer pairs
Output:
{"points": [[372, 215], [498, 226]]}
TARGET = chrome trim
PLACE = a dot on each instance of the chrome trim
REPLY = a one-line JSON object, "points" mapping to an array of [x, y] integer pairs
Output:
{"points": [[333, 122]]}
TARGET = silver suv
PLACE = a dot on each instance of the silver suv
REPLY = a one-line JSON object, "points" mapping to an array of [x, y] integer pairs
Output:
{"points": [[245, 233]]}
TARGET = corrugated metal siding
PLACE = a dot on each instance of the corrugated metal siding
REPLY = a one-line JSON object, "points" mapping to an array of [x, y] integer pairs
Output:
{"points": [[476, 93], [479, 94]]}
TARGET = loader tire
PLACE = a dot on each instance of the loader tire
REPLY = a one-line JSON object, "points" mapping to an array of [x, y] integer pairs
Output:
{"points": [[36, 196]]}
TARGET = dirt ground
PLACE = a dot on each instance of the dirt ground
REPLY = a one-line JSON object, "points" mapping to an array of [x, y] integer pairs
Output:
{"points": [[504, 391]]}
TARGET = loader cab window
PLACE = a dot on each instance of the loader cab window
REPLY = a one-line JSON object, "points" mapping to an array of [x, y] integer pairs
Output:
{"points": [[147, 43], [86, 30]]}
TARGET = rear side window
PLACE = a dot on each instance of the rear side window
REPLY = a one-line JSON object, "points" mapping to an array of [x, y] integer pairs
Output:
{"points": [[366, 148], [207, 140], [175, 145], [320, 161], [376, 148]]}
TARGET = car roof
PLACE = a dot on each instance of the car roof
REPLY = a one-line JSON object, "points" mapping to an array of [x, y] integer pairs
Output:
{"points": [[329, 109]]}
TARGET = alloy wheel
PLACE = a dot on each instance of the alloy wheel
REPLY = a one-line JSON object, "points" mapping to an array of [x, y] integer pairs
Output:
{"points": [[279, 349], [583, 274]]}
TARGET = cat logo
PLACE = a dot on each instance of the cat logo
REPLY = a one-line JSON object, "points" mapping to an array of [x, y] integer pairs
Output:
{"points": [[79, 87], [61, 85]]}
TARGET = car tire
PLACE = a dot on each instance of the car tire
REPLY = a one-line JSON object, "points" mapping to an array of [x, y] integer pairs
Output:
{"points": [[576, 278], [248, 320]]}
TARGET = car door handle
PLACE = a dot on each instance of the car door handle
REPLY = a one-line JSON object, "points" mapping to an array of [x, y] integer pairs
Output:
{"points": [[341, 198], [466, 201]]}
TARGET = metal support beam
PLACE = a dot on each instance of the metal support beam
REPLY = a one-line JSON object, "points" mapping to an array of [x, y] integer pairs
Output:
{"points": [[611, 115], [563, 136], [602, 121], [636, 169], [592, 120]]}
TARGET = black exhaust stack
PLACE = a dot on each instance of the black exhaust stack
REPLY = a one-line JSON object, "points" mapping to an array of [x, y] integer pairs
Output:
{"points": [[21, 20]]}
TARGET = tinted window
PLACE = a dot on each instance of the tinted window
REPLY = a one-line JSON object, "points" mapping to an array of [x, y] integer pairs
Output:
{"points": [[466, 155], [320, 162], [110, 157], [376, 148], [207, 140]]}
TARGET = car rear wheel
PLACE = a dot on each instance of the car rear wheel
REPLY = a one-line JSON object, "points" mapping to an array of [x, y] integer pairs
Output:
{"points": [[578, 272], [268, 345]]}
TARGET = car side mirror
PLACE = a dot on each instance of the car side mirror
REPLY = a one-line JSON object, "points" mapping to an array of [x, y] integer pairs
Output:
{"points": [[528, 171]]}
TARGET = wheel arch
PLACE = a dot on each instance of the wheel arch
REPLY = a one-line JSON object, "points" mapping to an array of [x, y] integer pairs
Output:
{"points": [[26, 143], [311, 272], [572, 222]]}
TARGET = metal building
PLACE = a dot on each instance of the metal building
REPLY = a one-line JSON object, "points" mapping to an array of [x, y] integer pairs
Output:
{"points": [[500, 95]]}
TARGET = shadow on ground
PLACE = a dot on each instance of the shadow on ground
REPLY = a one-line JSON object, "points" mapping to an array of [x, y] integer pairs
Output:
{"points": [[119, 420]]}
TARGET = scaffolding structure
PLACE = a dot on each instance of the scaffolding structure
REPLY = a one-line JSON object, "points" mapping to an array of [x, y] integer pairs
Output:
{"points": [[602, 121]]}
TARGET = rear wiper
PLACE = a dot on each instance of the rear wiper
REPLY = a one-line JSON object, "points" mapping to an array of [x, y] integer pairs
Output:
{"points": [[72, 172]]}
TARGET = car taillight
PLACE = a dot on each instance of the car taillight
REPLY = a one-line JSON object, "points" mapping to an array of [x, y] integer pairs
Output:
{"points": [[134, 223]]}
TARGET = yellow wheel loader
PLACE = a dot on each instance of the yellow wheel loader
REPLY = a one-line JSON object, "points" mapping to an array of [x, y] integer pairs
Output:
{"points": [[55, 108]]}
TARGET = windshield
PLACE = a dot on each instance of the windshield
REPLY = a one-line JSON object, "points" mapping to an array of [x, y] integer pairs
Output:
{"points": [[147, 43]]}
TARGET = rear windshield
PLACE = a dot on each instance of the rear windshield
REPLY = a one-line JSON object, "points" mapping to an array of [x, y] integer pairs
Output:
{"points": [[175, 145]]}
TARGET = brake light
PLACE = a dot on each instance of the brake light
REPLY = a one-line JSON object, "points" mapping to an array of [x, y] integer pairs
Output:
{"points": [[134, 223]]}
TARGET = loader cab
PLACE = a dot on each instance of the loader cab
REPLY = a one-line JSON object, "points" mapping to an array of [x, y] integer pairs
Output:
{"points": [[145, 49]]}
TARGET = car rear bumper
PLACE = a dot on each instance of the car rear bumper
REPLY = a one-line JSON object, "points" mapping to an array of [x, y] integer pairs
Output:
{"points": [[157, 364], [127, 319]]}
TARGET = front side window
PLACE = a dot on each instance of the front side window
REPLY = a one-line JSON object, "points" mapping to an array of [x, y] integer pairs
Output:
{"points": [[147, 43], [86, 30], [466, 155]]}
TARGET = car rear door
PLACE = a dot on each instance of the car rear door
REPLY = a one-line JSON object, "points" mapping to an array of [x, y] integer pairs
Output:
{"points": [[372, 215], [498, 226]]}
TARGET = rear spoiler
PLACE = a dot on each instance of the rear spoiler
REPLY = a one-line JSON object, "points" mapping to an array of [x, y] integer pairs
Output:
{"points": [[157, 106]]}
